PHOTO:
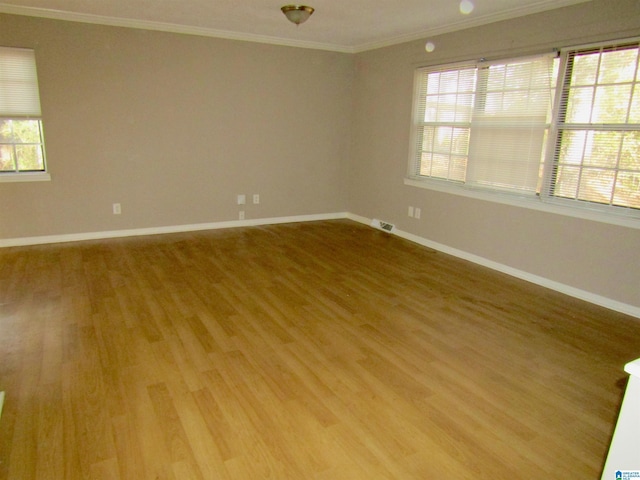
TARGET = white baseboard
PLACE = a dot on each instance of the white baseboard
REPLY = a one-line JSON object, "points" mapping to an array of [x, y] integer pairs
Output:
{"points": [[76, 237], [544, 282], [621, 307]]}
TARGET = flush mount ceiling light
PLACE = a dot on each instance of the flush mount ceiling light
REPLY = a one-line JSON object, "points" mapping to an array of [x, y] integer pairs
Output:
{"points": [[297, 13], [466, 7]]}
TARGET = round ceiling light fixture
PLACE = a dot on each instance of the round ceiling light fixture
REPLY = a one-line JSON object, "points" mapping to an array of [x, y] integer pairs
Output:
{"points": [[297, 13], [466, 7]]}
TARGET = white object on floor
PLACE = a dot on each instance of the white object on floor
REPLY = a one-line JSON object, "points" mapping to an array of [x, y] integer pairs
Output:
{"points": [[623, 460]]}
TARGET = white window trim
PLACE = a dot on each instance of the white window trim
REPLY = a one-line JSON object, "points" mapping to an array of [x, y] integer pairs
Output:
{"points": [[25, 177], [25, 105], [585, 212], [620, 216]]}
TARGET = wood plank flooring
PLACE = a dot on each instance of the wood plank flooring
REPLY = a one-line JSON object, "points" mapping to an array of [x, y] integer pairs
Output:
{"points": [[321, 350]]}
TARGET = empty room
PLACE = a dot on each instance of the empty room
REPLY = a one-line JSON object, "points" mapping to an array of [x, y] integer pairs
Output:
{"points": [[342, 240]]}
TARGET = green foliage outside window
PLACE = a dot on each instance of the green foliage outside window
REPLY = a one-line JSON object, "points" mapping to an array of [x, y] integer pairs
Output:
{"points": [[21, 148]]}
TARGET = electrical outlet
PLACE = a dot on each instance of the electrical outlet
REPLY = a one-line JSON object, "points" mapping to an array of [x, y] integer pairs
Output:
{"points": [[410, 212], [416, 213], [256, 198], [242, 199], [241, 215], [117, 209]]}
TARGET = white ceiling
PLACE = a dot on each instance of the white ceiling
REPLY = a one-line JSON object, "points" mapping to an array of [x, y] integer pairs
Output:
{"points": [[340, 25]]}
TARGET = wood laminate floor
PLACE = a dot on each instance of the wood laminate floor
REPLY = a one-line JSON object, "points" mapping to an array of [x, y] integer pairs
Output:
{"points": [[322, 350]]}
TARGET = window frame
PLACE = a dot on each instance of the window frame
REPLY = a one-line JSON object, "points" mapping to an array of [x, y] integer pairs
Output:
{"points": [[30, 111], [559, 124], [544, 200]]}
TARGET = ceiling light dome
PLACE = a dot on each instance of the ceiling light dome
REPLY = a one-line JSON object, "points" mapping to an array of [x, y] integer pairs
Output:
{"points": [[297, 13]]}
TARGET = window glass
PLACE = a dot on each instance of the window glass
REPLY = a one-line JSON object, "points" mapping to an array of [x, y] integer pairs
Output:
{"points": [[491, 125]]}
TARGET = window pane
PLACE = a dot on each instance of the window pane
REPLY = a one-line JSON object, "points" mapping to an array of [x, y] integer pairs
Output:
{"points": [[446, 108], [426, 162], [442, 141], [630, 155], [493, 102], [467, 80], [600, 162], [433, 83], [445, 102], [21, 143], [449, 82], [460, 141], [566, 182], [22, 149], [427, 139], [602, 149], [458, 168], [585, 68], [26, 131], [618, 66], [611, 104], [6, 131], [627, 193], [634, 113], [508, 125], [579, 105], [517, 102], [464, 107], [448, 101], [29, 157], [440, 166], [7, 159], [431, 109], [572, 147], [518, 75], [542, 167], [596, 185]]}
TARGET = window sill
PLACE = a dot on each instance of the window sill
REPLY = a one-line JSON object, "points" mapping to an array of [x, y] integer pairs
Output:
{"points": [[25, 177], [533, 203]]}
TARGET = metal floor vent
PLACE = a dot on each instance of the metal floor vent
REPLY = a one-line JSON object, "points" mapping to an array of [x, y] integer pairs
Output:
{"points": [[380, 225]]}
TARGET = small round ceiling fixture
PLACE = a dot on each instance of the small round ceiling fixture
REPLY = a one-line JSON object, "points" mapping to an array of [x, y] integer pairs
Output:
{"points": [[297, 13], [466, 7]]}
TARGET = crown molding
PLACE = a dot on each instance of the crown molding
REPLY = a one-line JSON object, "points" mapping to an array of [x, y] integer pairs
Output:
{"points": [[468, 22], [167, 27]]}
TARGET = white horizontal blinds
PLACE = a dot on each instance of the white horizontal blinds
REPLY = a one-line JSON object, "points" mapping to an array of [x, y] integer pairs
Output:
{"points": [[18, 83], [510, 123], [442, 121], [597, 154]]}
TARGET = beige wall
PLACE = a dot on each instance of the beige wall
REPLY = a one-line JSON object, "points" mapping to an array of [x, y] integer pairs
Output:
{"points": [[595, 257], [174, 126]]}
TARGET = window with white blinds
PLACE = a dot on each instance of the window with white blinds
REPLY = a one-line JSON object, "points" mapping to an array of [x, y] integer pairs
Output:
{"points": [[484, 125], [510, 123], [596, 156], [493, 126], [445, 100], [21, 138]]}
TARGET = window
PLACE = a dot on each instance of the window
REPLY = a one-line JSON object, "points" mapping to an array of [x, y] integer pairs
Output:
{"points": [[21, 139], [443, 123], [490, 126], [597, 150]]}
